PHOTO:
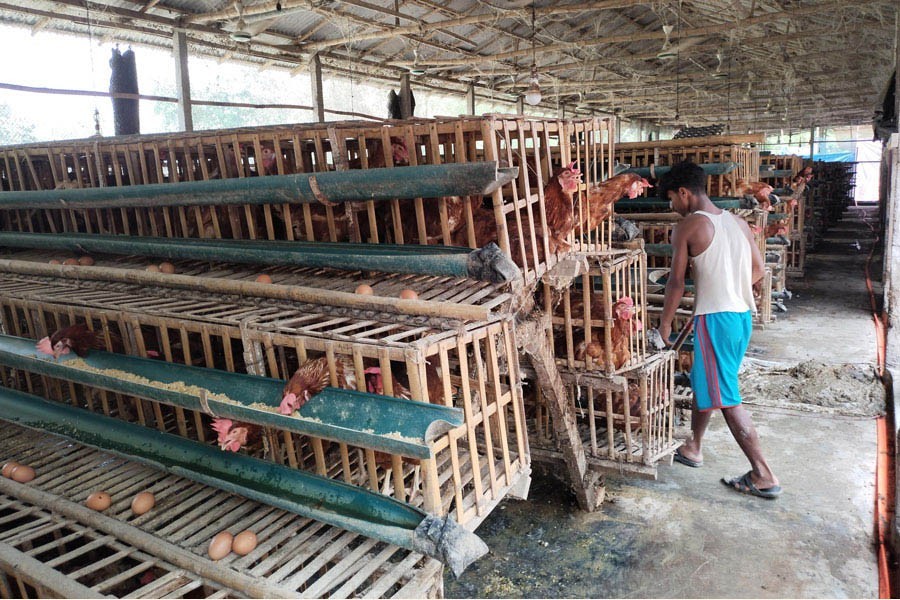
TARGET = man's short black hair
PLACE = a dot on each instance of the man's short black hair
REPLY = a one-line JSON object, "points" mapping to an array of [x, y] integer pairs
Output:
{"points": [[683, 175]]}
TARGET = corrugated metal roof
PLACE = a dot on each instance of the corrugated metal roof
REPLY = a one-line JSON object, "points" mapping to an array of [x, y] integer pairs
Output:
{"points": [[819, 61]]}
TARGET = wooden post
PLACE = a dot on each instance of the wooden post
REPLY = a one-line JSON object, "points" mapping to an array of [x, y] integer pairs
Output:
{"points": [[587, 484], [812, 142], [520, 105], [891, 200], [406, 107], [470, 99], [182, 80], [897, 71], [315, 80]]}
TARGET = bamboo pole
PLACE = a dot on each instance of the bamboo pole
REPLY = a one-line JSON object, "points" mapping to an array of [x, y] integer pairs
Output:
{"points": [[214, 285], [700, 31], [47, 578], [155, 546], [422, 27]]}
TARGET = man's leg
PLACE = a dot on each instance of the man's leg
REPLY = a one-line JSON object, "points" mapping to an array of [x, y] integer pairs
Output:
{"points": [[741, 425], [693, 448]]}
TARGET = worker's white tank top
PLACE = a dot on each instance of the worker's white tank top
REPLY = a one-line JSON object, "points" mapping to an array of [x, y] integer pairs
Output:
{"points": [[723, 272]]}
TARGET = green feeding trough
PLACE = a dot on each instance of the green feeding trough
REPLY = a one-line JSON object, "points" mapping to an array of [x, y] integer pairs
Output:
{"points": [[653, 204], [385, 423], [333, 502], [770, 174], [709, 168], [424, 181], [488, 263]]}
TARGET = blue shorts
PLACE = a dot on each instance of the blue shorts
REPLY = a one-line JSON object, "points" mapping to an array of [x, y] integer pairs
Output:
{"points": [[720, 341]]}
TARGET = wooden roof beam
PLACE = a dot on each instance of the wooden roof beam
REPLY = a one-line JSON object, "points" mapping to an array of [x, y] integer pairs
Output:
{"points": [[703, 31], [423, 27]]}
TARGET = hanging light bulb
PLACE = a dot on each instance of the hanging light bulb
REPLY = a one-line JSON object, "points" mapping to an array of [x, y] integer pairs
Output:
{"points": [[415, 69], [666, 52], [718, 73], [533, 95]]}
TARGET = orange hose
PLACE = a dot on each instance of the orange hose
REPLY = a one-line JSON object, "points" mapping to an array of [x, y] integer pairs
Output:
{"points": [[883, 506], [884, 471]]}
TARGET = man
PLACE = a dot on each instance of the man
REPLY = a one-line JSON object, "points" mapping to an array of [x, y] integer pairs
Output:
{"points": [[725, 264]]}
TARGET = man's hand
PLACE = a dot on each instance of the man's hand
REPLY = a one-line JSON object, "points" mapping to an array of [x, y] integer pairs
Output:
{"points": [[665, 331]]}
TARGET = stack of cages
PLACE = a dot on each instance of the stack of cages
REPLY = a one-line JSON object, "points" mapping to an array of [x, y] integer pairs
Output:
{"points": [[740, 149], [474, 464], [622, 395], [514, 216], [786, 165], [469, 365]]}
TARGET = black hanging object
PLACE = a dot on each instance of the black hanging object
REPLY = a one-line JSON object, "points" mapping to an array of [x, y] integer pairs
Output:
{"points": [[393, 105], [394, 111], [123, 80]]}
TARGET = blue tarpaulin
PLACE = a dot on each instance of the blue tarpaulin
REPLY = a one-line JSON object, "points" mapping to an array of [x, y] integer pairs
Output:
{"points": [[845, 156]]}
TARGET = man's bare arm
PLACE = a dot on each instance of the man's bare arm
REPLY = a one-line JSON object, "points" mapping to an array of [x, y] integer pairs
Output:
{"points": [[759, 264], [675, 284]]}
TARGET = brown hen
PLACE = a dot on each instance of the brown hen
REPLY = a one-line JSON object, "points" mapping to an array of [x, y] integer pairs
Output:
{"points": [[76, 338], [624, 324], [598, 203], [309, 379], [560, 213], [759, 190]]}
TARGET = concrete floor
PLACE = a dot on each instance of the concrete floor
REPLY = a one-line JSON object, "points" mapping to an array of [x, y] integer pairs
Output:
{"points": [[687, 535]]}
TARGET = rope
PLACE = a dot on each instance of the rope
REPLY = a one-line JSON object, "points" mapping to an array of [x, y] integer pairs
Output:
{"points": [[204, 403], [87, 8]]}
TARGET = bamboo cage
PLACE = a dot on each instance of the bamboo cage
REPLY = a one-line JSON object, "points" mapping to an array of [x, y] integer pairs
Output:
{"points": [[621, 436], [781, 162], [778, 265], [796, 255], [718, 149], [657, 229], [473, 366], [763, 300], [797, 214], [588, 333], [514, 216], [769, 163], [74, 552]]}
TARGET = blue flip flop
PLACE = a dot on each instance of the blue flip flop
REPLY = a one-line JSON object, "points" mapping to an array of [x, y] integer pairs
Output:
{"points": [[681, 458], [744, 485]]}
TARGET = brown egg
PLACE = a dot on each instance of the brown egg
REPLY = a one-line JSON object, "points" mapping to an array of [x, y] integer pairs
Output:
{"points": [[8, 468], [167, 267], [152, 268], [98, 501], [263, 278], [220, 546], [70, 261], [142, 503], [22, 473], [365, 290], [409, 294], [244, 543], [55, 261], [85, 261]]}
